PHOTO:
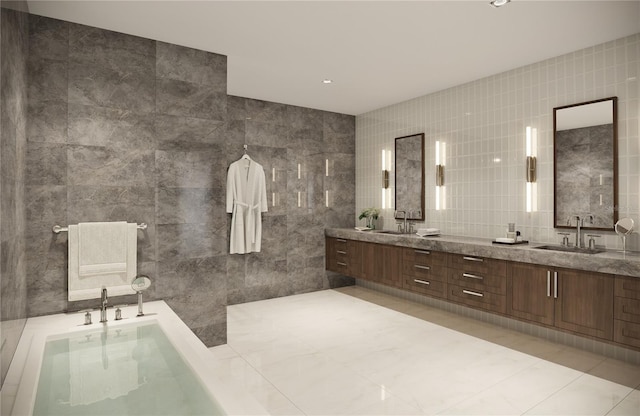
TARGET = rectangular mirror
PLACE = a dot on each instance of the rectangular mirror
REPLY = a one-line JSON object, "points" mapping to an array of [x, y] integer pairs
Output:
{"points": [[409, 151], [586, 163]]}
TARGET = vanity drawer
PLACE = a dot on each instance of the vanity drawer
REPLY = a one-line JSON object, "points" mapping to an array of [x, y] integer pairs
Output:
{"points": [[627, 287], [478, 280], [626, 333], [421, 271], [424, 257], [425, 286], [627, 309], [478, 265], [477, 298]]}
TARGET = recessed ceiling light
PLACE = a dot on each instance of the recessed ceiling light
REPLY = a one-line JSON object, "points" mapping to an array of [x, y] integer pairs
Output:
{"points": [[498, 3], [327, 81]]}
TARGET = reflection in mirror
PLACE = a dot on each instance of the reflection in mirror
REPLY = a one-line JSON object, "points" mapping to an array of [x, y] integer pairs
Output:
{"points": [[585, 163], [409, 175]]}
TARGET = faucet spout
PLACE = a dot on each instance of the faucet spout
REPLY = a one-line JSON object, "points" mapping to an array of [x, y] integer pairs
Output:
{"points": [[579, 223], [103, 306]]}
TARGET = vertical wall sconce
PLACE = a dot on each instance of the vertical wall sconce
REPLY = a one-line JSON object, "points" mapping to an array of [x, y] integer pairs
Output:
{"points": [[386, 167], [531, 189], [441, 156]]}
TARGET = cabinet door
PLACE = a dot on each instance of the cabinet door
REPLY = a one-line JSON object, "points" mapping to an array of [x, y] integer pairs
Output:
{"points": [[585, 303], [530, 294], [391, 265], [381, 263]]}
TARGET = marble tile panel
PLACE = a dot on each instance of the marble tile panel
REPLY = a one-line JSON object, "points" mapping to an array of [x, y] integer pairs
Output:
{"points": [[274, 237], [47, 79], [308, 140], [127, 88], [264, 271], [48, 293], [46, 252], [192, 169], [191, 65], [190, 205], [8, 208], [188, 133], [90, 165], [47, 121], [110, 127], [587, 395], [266, 111], [85, 39], [48, 38], [182, 98], [212, 335], [190, 241], [46, 164], [46, 206], [8, 152], [259, 133], [236, 108], [302, 118], [235, 134], [202, 277]]}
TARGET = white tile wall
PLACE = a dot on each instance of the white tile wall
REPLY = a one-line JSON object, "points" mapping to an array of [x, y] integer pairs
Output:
{"points": [[484, 121]]}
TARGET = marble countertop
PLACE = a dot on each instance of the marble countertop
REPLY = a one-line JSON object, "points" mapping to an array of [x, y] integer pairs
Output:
{"points": [[613, 262]]}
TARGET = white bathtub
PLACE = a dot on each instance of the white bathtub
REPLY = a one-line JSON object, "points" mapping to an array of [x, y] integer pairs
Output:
{"points": [[19, 389]]}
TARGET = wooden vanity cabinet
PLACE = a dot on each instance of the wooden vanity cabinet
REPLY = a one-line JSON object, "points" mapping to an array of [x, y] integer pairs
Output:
{"points": [[478, 282], [381, 263], [574, 300], [626, 324], [424, 272], [342, 256]]}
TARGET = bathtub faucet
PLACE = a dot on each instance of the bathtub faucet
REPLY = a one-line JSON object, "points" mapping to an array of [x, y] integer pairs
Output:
{"points": [[103, 306]]}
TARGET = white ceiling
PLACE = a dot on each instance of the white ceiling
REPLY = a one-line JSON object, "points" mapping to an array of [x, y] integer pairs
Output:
{"points": [[377, 53]]}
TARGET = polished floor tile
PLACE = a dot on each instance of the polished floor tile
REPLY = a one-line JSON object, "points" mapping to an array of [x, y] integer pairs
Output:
{"points": [[360, 352]]}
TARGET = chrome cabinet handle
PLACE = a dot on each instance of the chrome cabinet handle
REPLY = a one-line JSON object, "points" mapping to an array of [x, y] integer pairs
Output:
{"points": [[341, 252], [422, 282], [341, 264], [472, 276], [555, 285], [471, 292], [418, 266], [548, 283], [472, 258], [422, 252]]}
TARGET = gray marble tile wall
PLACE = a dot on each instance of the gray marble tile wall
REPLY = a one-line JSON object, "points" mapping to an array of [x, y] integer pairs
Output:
{"points": [[13, 115], [281, 138], [126, 128]]}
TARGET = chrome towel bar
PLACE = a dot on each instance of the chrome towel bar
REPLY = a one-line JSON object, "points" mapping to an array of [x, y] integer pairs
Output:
{"points": [[58, 229]]}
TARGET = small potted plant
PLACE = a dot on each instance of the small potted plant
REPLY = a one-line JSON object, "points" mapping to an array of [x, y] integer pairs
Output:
{"points": [[370, 214]]}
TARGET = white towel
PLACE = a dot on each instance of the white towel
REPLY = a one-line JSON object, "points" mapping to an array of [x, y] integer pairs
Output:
{"points": [[102, 248], [101, 255]]}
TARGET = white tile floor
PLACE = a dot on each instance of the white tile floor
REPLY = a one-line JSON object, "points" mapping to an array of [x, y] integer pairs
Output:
{"points": [[356, 351]]}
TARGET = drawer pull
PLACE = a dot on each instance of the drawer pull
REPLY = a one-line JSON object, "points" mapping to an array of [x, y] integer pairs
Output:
{"points": [[471, 292], [472, 259], [340, 240], [422, 252], [341, 252], [341, 263], [422, 282], [418, 266], [472, 276]]}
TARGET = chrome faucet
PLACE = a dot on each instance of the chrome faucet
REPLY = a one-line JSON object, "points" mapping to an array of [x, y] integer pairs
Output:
{"points": [[103, 306], [404, 227], [579, 224]]}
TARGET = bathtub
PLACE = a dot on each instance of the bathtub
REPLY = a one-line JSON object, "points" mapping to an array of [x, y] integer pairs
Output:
{"points": [[62, 365]]}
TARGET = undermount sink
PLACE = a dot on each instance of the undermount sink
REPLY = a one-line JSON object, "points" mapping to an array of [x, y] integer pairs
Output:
{"points": [[388, 232], [572, 249]]}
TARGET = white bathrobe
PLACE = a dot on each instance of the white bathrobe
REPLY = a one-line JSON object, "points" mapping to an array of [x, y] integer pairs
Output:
{"points": [[246, 200]]}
